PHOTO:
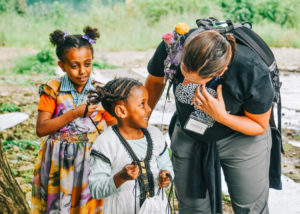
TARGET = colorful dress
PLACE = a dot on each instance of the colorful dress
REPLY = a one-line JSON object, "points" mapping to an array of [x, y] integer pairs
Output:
{"points": [[60, 183]]}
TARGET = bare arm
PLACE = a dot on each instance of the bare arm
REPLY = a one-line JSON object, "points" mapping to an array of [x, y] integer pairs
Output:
{"points": [[155, 86], [45, 125], [250, 124]]}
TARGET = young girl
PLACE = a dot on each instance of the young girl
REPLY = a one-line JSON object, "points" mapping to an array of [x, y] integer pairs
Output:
{"points": [[60, 183], [128, 151]]}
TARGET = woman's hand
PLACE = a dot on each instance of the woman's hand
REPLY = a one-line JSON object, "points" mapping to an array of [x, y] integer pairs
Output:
{"points": [[250, 124], [163, 179], [214, 107], [129, 172]]}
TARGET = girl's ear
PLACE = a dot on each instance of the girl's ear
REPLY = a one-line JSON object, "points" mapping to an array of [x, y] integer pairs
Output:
{"points": [[61, 65], [121, 111]]}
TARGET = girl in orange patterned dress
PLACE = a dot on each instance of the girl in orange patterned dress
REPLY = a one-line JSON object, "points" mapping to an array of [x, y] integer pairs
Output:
{"points": [[60, 183]]}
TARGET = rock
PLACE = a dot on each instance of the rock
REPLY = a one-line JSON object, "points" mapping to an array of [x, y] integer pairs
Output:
{"points": [[16, 148], [26, 188], [28, 196], [28, 166], [20, 180]]}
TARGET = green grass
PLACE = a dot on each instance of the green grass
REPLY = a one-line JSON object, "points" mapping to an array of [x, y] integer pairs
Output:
{"points": [[22, 144], [9, 108], [140, 26], [103, 65], [297, 137]]}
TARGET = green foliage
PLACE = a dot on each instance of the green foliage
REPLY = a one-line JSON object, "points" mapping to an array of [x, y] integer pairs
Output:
{"points": [[279, 12], [104, 65], [238, 10], [255, 11], [155, 9], [22, 144], [46, 55], [226, 198], [18, 6], [9, 108], [297, 137], [42, 62], [140, 25], [14, 172]]}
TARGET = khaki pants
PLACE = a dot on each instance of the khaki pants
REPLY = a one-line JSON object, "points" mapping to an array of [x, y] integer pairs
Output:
{"points": [[245, 162]]}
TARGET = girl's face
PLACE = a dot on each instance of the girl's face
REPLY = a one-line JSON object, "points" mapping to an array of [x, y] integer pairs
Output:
{"points": [[138, 110], [78, 66]]}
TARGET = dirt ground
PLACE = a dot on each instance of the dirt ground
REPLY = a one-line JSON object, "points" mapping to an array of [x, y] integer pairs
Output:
{"points": [[23, 92]]}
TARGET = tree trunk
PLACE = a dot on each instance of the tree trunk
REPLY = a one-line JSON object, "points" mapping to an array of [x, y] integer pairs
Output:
{"points": [[12, 199]]}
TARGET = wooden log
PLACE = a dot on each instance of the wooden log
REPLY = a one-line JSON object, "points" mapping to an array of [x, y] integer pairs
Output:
{"points": [[12, 199]]}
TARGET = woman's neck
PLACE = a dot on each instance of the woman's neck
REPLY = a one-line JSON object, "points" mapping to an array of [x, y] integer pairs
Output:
{"points": [[130, 133]]}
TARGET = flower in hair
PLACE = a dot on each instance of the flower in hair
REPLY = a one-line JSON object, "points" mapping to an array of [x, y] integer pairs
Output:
{"points": [[90, 40], [65, 34]]}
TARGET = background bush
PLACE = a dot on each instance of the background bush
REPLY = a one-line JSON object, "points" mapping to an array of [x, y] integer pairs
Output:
{"points": [[140, 25]]}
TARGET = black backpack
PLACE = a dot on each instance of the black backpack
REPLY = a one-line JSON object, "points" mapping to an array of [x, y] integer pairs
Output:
{"points": [[245, 36]]}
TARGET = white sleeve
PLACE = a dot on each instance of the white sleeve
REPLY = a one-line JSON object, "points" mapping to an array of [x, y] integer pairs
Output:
{"points": [[101, 182]]}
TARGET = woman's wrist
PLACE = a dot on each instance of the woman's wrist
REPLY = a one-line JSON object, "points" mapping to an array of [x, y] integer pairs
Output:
{"points": [[223, 118]]}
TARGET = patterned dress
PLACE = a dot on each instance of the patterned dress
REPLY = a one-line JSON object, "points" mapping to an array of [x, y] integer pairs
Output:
{"points": [[60, 183]]}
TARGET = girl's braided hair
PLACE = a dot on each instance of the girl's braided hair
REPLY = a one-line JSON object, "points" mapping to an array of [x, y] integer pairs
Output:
{"points": [[112, 92], [64, 42]]}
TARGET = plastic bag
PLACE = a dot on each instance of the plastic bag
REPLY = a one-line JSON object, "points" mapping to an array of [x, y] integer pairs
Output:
{"points": [[155, 205]]}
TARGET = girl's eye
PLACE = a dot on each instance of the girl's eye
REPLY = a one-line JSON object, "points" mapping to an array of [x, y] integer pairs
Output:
{"points": [[88, 64], [73, 66], [142, 104]]}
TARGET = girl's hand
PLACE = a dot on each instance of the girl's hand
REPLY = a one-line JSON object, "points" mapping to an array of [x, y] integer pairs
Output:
{"points": [[163, 179], [81, 108], [130, 172], [214, 107]]}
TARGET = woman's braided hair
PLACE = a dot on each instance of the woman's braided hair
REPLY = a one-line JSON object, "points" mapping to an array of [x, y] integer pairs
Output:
{"points": [[112, 92]]}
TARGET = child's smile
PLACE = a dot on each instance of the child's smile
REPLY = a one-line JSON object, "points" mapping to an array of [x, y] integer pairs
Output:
{"points": [[138, 109]]}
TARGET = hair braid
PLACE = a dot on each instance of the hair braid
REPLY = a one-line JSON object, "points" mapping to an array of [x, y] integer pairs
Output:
{"points": [[112, 92]]}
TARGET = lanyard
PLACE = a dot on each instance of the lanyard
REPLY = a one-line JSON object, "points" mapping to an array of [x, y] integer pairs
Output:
{"points": [[212, 82]]}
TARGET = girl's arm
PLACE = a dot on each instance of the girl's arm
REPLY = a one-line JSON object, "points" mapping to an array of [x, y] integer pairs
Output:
{"points": [[250, 124], [155, 86], [102, 184], [45, 125]]}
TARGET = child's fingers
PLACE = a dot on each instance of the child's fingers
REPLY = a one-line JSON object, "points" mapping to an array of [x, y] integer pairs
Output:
{"points": [[132, 170], [163, 173], [164, 183]]}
